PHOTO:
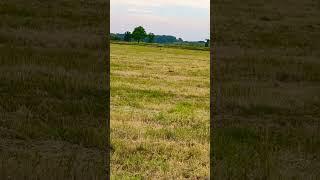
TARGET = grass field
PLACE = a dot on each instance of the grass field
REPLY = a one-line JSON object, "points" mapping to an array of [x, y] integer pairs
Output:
{"points": [[53, 89], [170, 45], [53, 95], [159, 112], [268, 122]]}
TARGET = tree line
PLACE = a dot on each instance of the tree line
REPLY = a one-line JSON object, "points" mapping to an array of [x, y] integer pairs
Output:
{"points": [[140, 35]]}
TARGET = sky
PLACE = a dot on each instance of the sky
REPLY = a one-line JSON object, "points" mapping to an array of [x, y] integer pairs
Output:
{"points": [[186, 19]]}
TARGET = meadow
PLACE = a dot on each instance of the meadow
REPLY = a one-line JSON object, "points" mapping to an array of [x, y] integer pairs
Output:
{"points": [[53, 95], [53, 90], [159, 112], [266, 74]]}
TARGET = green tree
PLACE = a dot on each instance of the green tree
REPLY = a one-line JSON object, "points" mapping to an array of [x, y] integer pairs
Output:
{"points": [[207, 43], [114, 37], [151, 37], [127, 36], [139, 34]]}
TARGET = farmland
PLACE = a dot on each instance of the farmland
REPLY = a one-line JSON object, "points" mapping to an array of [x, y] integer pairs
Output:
{"points": [[159, 112], [53, 90], [53, 95], [268, 79]]}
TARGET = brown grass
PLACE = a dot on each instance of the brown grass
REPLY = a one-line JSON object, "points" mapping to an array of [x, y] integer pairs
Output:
{"points": [[53, 90], [267, 124]]}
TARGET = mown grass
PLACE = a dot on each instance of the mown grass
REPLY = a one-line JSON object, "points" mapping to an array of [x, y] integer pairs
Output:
{"points": [[159, 112], [267, 123], [169, 45], [53, 90]]}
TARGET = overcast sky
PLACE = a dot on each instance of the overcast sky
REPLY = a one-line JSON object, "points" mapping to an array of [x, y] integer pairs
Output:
{"points": [[186, 19]]}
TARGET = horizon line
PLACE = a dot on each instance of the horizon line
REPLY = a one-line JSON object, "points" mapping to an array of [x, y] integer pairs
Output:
{"points": [[164, 35]]}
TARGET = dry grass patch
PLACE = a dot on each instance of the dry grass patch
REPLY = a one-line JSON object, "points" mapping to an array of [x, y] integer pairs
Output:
{"points": [[159, 112]]}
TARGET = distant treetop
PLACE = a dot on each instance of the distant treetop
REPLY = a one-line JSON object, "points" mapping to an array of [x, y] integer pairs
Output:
{"points": [[140, 35]]}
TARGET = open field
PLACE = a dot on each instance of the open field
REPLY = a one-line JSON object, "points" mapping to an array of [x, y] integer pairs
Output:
{"points": [[159, 112], [169, 45], [267, 124], [53, 95], [53, 90]]}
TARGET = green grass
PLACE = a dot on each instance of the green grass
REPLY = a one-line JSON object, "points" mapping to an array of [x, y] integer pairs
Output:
{"points": [[159, 112], [53, 90]]}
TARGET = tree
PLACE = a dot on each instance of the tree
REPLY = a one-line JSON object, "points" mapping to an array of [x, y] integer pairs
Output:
{"points": [[139, 34], [151, 37], [207, 43], [114, 37], [165, 39], [127, 36]]}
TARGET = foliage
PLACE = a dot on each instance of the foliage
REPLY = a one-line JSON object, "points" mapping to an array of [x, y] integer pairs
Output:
{"points": [[127, 36], [114, 37], [151, 38], [139, 33], [207, 44]]}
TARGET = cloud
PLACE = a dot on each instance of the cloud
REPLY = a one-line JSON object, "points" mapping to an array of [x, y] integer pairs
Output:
{"points": [[139, 11], [192, 29], [188, 19]]}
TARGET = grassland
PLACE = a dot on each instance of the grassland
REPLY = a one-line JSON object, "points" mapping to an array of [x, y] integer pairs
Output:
{"points": [[159, 112], [53, 89], [53, 95], [267, 57], [169, 45]]}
